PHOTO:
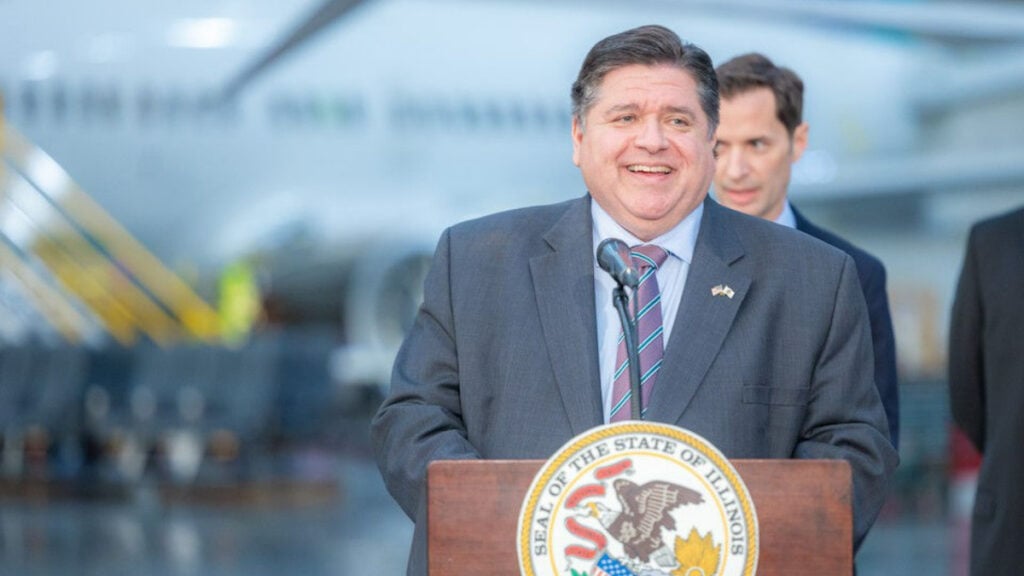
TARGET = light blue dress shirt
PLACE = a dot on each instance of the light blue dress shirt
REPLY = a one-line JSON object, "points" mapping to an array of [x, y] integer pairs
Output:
{"points": [[680, 242]]}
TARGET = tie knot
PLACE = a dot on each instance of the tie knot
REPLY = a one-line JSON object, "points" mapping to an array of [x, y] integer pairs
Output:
{"points": [[648, 256]]}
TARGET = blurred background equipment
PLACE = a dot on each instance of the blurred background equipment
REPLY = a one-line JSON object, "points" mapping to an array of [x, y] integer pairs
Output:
{"points": [[216, 217]]}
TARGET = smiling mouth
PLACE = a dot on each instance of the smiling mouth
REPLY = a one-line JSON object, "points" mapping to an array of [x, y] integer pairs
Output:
{"points": [[643, 169]]}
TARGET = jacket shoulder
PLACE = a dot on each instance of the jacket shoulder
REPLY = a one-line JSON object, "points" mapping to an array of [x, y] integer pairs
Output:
{"points": [[757, 233], [518, 221], [999, 227], [867, 264]]}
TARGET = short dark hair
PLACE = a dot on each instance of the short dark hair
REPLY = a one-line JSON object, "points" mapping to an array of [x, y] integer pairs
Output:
{"points": [[755, 70], [650, 46]]}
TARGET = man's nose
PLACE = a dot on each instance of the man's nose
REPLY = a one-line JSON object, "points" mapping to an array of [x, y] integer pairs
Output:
{"points": [[735, 164], [652, 136]]}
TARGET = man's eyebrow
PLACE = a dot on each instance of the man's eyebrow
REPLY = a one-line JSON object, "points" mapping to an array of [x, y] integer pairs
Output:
{"points": [[686, 110], [622, 108], [632, 107]]}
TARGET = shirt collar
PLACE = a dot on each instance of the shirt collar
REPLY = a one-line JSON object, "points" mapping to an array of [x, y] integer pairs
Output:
{"points": [[680, 241], [786, 217]]}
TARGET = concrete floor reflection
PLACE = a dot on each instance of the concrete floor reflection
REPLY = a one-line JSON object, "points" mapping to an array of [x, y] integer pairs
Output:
{"points": [[362, 532]]}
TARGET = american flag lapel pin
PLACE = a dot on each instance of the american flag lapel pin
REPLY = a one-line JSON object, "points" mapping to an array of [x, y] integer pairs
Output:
{"points": [[723, 290]]}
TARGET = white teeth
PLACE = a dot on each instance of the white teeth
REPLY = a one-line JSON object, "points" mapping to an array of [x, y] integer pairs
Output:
{"points": [[650, 169]]}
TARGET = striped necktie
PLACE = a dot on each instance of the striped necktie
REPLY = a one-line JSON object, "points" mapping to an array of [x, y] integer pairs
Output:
{"points": [[646, 258]]}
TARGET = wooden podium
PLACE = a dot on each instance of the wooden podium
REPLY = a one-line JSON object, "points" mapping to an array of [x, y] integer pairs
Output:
{"points": [[803, 509]]}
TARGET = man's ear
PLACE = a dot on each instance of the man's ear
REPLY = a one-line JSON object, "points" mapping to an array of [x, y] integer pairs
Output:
{"points": [[577, 139], [799, 141]]}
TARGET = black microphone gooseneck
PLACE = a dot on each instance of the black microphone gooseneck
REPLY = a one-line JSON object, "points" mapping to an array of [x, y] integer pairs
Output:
{"points": [[613, 257]]}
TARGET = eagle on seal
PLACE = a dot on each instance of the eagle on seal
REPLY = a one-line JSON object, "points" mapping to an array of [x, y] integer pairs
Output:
{"points": [[646, 510]]}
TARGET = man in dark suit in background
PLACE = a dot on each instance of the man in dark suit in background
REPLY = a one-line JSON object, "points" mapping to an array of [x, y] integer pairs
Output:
{"points": [[986, 387], [767, 348], [761, 134]]}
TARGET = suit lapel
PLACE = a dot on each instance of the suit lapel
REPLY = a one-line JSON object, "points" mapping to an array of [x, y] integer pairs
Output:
{"points": [[704, 317], [563, 282]]}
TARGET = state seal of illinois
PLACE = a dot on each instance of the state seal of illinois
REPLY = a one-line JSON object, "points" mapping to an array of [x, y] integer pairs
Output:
{"points": [[637, 499]]}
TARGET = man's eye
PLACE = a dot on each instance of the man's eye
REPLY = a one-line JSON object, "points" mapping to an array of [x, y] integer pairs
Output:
{"points": [[627, 118]]}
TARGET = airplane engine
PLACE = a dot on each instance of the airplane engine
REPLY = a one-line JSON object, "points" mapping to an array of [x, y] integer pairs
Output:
{"points": [[383, 292], [340, 311]]}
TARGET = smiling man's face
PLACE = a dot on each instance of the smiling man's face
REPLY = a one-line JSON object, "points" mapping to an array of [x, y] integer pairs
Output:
{"points": [[644, 148]]}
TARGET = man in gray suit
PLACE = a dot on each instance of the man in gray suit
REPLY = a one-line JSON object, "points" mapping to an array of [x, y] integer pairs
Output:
{"points": [[986, 386], [767, 348]]}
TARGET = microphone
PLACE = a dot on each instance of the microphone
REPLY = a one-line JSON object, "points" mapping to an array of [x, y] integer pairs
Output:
{"points": [[613, 257]]}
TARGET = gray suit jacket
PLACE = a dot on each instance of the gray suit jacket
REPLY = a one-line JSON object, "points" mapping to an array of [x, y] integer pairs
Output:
{"points": [[986, 384], [502, 360], [872, 282]]}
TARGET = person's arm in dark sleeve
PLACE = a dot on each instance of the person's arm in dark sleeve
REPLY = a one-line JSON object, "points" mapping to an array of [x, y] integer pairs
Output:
{"points": [[884, 346], [966, 360]]}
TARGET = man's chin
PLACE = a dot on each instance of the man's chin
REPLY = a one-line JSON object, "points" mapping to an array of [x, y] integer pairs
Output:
{"points": [[747, 207]]}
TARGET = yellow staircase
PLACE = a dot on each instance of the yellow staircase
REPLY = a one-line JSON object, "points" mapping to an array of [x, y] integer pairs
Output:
{"points": [[78, 266]]}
